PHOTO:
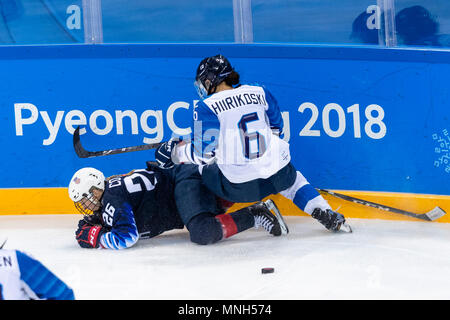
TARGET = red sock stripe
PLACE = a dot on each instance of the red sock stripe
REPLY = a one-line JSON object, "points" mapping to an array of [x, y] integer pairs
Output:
{"points": [[229, 227]]}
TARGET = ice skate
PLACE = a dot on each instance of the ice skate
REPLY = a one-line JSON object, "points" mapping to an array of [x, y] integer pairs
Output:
{"points": [[269, 217], [332, 220]]}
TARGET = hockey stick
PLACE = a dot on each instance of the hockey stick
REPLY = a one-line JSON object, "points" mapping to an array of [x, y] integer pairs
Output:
{"points": [[434, 214], [83, 153], [6, 239]]}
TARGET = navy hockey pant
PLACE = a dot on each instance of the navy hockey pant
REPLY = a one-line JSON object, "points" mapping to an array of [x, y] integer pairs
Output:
{"points": [[287, 181]]}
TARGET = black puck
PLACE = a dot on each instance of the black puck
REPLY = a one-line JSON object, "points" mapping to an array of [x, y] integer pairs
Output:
{"points": [[267, 270]]}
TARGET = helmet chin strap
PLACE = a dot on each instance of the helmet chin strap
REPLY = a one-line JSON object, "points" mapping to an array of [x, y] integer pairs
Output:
{"points": [[210, 92]]}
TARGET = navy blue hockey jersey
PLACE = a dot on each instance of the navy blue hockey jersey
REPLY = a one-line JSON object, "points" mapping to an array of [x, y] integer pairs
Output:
{"points": [[137, 205]]}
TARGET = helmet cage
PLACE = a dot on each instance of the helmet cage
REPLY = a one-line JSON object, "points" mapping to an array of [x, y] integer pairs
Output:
{"points": [[88, 204], [82, 190], [201, 90]]}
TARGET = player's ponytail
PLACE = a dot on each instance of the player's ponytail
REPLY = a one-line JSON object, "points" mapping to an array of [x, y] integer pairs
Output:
{"points": [[232, 79]]}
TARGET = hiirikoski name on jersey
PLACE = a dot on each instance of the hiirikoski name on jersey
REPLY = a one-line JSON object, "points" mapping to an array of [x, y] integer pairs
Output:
{"points": [[236, 101]]}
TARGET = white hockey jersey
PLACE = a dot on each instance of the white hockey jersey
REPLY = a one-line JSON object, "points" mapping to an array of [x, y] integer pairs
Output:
{"points": [[25, 278], [234, 128]]}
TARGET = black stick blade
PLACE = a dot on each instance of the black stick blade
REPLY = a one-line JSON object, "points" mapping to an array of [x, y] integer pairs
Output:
{"points": [[79, 150]]}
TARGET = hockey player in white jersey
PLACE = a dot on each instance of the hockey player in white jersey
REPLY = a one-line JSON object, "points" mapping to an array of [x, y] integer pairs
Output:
{"points": [[22, 277], [238, 146]]}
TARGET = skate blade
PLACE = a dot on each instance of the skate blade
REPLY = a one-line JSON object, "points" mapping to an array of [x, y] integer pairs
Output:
{"points": [[345, 228], [272, 207]]}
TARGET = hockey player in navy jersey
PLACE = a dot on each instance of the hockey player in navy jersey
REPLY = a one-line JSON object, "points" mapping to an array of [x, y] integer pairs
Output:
{"points": [[238, 147], [144, 203], [23, 277]]}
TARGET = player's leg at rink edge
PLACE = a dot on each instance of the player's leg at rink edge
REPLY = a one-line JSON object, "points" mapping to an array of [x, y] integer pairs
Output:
{"points": [[309, 200]]}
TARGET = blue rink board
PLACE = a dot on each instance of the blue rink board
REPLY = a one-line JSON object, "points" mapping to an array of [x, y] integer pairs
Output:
{"points": [[358, 118]]}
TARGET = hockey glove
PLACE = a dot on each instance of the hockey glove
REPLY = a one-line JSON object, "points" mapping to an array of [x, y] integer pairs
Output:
{"points": [[87, 235], [163, 155]]}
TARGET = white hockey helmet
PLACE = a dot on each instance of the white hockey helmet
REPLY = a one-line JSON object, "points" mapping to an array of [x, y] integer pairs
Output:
{"points": [[81, 188]]}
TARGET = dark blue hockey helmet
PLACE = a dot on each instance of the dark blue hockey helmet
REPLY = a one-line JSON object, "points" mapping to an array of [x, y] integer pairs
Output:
{"points": [[210, 72]]}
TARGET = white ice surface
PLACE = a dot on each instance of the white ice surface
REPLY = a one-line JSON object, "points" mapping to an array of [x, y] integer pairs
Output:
{"points": [[379, 260]]}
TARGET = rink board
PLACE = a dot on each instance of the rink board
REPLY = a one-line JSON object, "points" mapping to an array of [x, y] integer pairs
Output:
{"points": [[365, 119], [56, 201]]}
